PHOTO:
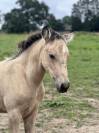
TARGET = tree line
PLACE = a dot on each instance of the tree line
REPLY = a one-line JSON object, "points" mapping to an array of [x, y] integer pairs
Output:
{"points": [[30, 13], [85, 15]]}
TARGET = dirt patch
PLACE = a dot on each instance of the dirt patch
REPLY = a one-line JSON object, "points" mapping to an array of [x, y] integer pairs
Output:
{"points": [[93, 102], [56, 126], [45, 124]]}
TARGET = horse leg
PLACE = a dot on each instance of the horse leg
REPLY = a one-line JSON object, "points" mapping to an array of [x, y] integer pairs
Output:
{"points": [[14, 121], [29, 121]]}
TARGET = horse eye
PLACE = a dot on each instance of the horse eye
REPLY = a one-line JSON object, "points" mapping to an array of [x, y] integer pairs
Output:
{"points": [[51, 56]]}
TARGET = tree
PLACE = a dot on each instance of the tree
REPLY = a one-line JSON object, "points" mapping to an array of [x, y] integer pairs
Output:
{"points": [[87, 11], [26, 17], [76, 18], [76, 24], [67, 21], [33, 10], [58, 25], [15, 22], [95, 24]]}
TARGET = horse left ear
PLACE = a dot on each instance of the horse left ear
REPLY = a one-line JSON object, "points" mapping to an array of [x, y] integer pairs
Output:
{"points": [[68, 37], [46, 33]]}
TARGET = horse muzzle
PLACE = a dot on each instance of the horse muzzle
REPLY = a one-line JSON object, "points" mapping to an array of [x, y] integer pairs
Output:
{"points": [[63, 87]]}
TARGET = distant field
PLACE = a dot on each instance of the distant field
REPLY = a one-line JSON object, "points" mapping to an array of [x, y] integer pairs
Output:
{"points": [[83, 66]]}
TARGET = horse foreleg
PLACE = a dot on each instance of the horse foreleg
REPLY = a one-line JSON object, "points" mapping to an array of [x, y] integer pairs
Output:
{"points": [[14, 121], [29, 121]]}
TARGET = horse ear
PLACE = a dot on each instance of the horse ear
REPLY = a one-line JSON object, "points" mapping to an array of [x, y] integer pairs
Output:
{"points": [[68, 37], [46, 33]]}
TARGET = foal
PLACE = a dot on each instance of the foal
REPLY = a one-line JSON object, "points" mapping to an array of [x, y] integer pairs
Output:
{"points": [[21, 87]]}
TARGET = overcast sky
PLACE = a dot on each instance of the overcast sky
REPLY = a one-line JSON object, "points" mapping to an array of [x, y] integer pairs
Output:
{"points": [[59, 8]]}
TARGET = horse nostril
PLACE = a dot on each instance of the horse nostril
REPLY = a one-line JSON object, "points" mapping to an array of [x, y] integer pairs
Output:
{"points": [[64, 87]]}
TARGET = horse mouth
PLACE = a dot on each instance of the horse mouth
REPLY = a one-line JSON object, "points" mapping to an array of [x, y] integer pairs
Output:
{"points": [[62, 90]]}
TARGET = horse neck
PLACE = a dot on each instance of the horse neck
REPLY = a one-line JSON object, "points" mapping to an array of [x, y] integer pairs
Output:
{"points": [[33, 67]]}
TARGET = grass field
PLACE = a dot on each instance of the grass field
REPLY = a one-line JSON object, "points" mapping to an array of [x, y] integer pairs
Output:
{"points": [[79, 105]]}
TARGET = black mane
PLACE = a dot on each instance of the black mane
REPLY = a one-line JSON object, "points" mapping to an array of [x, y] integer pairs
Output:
{"points": [[25, 44]]}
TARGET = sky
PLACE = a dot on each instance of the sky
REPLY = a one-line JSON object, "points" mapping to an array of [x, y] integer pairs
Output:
{"points": [[59, 8]]}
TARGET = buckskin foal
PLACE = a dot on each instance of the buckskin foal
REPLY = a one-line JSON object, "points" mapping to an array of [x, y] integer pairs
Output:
{"points": [[21, 87]]}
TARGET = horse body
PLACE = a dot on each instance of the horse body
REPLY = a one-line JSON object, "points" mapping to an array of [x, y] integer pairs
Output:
{"points": [[20, 78], [21, 86]]}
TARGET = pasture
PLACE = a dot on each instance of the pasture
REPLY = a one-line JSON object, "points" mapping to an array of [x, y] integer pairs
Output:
{"points": [[78, 109]]}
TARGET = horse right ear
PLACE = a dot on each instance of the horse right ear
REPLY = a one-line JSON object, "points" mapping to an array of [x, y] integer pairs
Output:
{"points": [[68, 37], [46, 33]]}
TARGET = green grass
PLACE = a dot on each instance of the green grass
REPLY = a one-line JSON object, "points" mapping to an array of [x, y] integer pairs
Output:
{"points": [[67, 107], [8, 44], [83, 67]]}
